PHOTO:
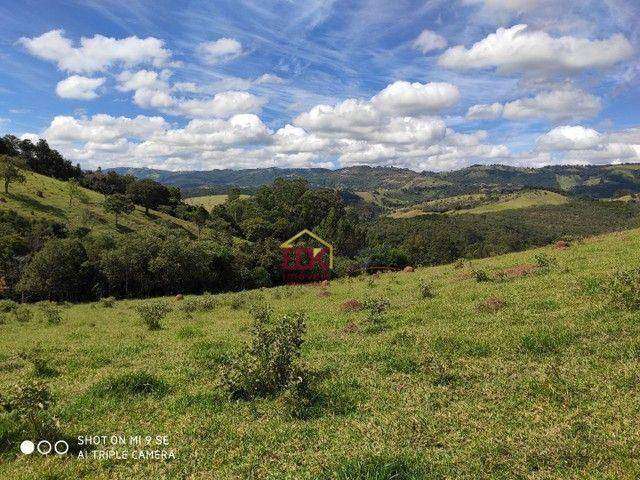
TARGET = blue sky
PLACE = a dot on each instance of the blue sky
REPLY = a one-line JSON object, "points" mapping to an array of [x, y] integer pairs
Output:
{"points": [[430, 85]]}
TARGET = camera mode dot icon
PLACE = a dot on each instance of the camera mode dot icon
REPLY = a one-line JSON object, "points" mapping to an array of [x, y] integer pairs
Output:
{"points": [[27, 447]]}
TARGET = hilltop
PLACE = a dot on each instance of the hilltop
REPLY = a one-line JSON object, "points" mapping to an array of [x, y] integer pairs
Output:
{"points": [[44, 197], [524, 370], [595, 181]]}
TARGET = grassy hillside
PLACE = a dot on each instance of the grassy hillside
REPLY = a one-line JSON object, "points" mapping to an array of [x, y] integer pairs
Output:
{"points": [[88, 212], [209, 201], [532, 374], [405, 187], [528, 199], [482, 203]]}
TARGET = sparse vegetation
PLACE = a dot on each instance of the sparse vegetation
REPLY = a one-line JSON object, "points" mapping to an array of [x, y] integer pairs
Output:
{"points": [[624, 289], [152, 313], [271, 363]]}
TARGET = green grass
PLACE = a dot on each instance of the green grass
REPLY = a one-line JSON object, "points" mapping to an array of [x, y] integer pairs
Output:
{"points": [[545, 387], [483, 204], [209, 201], [535, 198], [54, 205]]}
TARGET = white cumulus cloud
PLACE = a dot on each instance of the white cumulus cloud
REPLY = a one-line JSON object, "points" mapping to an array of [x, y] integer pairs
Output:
{"points": [[429, 41], [97, 53], [221, 50], [404, 98], [79, 88], [555, 105], [519, 49]]}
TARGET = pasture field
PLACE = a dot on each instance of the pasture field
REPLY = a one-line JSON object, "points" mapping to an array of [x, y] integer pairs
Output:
{"points": [[209, 201], [516, 366], [533, 198], [481, 203], [86, 211]]}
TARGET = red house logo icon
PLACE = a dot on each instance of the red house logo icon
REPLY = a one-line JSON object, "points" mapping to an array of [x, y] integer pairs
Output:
{"points": [[302, 263]]}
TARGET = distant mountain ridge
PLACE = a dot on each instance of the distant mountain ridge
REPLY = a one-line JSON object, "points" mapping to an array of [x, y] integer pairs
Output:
{"points": [[596, 181]]}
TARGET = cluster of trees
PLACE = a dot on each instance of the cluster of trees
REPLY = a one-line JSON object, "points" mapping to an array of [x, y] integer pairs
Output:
{"points": [[238, 242], [39, 157]]}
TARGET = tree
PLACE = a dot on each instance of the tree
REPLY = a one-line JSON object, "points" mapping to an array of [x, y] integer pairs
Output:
{"points": [[199, 216], [60, 271], [75, 192], [9, 172], [149, 194], [118, 204]]}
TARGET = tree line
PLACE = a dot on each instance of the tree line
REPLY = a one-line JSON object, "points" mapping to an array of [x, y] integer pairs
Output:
{"points": [[237, 244]]}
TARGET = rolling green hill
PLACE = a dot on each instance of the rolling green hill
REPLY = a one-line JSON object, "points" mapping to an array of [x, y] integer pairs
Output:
{"points": [[53, 204], [482, 203], [517, 366], [209, 201], [409, 187]]}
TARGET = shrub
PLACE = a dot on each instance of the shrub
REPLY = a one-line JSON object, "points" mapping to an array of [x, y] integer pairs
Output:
{"points": [[23, 314], [203, 303], [376, 308], [237, 302], [51, 313], [8, 306], [544, 262], [624, 289], [481, 275], [108, 302], [28, 407], [261, 313], [271, 363], [130, 384], [41, 365], [152, 313], [426, 290]]}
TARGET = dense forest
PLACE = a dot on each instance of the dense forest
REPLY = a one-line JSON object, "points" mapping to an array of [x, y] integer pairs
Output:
{"points": [[236, 246]]}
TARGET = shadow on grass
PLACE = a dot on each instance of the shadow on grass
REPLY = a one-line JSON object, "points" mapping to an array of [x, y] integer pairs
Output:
{"points": [[34, 204]]}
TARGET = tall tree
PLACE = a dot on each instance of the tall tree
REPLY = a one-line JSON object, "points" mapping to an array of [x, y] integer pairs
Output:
{"points": [[118, 204], [199, 216], [9, 172], [149, 194]]}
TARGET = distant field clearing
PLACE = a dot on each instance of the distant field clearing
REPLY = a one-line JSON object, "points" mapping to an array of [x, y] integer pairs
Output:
{"points": [[209, 201]]}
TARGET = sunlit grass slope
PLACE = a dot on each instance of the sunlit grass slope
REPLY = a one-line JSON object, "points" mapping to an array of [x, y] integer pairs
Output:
{"points": [[528, 199], [544, 386], [209, 201], [53, 204]]}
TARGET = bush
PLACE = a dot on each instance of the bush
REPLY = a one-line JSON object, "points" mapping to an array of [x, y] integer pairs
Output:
{"points": [[481, 275], [108, 302], [376, 308], [23, 314], [59, 271], [8, 306], [28, 412], [130, 384], [271, 363], [426, 290], [50, 313], [624, 289], [544, 262], [204, 303], [41, 365], [152, 313]]}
